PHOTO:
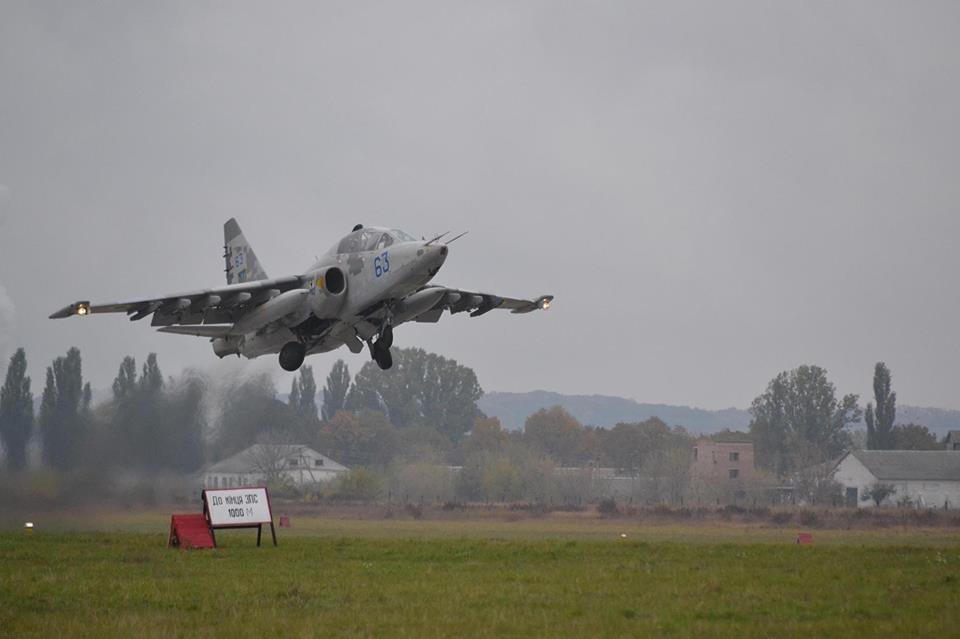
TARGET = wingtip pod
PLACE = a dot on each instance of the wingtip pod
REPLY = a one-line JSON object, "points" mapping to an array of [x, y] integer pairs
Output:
{"points": [[542, 303], [77, 308]]}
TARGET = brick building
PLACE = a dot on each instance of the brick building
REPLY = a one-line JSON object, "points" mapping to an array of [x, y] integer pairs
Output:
{"points": [[730, 461]]}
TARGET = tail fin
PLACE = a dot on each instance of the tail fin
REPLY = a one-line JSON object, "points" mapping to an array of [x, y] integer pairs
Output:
{"points": [[242, 264]]}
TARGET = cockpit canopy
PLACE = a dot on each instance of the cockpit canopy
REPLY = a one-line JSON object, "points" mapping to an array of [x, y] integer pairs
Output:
{"points": [[372, 239]]}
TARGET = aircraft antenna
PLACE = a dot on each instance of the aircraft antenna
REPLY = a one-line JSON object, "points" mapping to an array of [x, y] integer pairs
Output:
{"points": [[456, 238], [437, 238]]}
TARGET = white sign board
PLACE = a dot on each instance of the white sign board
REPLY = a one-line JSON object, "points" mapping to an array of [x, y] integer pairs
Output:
{"points": [[238, 506]]}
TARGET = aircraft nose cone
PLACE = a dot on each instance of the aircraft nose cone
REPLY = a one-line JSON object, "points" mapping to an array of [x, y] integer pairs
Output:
{"points": [[435, 258]]}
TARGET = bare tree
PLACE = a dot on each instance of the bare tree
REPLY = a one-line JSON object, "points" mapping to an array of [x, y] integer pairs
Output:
{"points": [[267, 459], [878, 492]]}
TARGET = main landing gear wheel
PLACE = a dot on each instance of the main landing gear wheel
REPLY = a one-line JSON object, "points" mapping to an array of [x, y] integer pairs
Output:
{"points": [[291, 356], [381, 354], [386, 337]]}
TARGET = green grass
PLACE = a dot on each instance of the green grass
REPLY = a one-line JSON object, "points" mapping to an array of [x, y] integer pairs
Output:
{"points": [[488, 578], [582, 526]]}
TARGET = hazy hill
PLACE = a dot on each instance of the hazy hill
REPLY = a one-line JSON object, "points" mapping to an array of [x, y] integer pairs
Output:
{"points": [[605, 410], [939, 420]]}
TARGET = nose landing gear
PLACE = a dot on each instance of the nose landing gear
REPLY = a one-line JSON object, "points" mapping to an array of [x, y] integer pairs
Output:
{"points": [[291, 356], [381, 355], [380, 349]]}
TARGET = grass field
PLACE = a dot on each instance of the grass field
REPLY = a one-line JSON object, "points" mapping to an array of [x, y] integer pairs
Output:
{"points": [[538, 576]]}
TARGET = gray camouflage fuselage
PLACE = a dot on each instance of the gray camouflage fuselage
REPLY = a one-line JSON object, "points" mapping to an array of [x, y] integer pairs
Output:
{"points": [[412, 266], [371, 281]]}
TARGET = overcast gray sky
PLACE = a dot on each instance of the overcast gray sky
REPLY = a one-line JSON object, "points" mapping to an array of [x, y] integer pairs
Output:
{"points": [[715, 191]]}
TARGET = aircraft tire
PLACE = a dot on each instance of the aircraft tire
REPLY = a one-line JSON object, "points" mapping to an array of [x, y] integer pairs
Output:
{"points": [[291, 356], [387, 337], [382, 356]]}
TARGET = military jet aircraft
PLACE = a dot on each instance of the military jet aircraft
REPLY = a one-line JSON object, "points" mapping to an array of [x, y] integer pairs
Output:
{"points": [[371, 281]]}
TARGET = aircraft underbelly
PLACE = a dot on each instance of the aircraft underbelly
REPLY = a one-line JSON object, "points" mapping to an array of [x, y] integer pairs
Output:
{"points": [[269, 343]]}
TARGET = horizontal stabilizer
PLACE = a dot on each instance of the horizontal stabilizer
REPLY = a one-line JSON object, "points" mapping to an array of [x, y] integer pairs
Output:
{"points": [[198, 331]]}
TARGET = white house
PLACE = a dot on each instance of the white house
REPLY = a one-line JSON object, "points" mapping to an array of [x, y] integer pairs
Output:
{"points": [[928, 478], [298, 464], [953, 440]]}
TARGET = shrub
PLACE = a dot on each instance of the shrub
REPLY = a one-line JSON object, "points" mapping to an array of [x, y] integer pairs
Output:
{"points": [[662, 510], [878, 492], [422, 480], [905, 502], [759, 512], [608, 508], [923, 517], [283, 487], [808, 518], [781, 518], [142, 493], [358, 483], [34, 486]]}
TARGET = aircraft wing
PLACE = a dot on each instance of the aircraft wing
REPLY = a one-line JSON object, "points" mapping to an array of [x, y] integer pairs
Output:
{"points": [[222, 305], [477, 304]]}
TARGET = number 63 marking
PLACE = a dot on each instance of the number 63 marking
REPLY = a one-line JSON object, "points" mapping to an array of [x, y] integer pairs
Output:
{"points": [[381, 264]]}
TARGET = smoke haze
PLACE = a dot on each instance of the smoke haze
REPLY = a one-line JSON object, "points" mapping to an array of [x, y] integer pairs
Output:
{"points": [[7, 321]]}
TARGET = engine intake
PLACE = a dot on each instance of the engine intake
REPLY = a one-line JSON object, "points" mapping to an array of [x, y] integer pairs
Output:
{"points": [[330, 292], [334, 281]]}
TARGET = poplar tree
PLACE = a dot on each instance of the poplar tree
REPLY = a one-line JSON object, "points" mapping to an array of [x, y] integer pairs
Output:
{"points": [[149, 422], [335, 392], [61, 420], [125, 383], [16, 412], [880, 434], [151, 379], [294, 398], [303, 394]]}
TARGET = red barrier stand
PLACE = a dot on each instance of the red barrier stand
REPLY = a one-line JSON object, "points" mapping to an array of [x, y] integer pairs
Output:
{"points": [[805, 538], [189, 531]]}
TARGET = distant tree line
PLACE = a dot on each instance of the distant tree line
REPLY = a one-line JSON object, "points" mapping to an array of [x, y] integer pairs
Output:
{"points": [[155, 423], [424, 410], [149, 423], [421, 413]]}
